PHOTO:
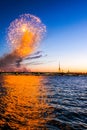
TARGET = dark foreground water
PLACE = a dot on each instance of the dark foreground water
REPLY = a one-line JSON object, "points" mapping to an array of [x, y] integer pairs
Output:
{"points": [[43, 102]]}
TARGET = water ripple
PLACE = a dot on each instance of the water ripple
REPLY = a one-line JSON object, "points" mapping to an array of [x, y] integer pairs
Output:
{"points": [[43, 102]]}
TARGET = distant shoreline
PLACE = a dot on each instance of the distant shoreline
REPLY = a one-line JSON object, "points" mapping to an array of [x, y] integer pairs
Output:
{"points": [[43, 73]]}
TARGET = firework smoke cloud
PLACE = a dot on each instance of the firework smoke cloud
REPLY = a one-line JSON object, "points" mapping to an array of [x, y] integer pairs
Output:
{"points": [[24, 35]]}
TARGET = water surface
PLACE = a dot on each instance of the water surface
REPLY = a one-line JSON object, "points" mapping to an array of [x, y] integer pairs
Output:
{"points": [[43, 102]]}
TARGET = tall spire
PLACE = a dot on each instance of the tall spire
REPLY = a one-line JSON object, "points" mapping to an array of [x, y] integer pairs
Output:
{"points": [[59, 67]]}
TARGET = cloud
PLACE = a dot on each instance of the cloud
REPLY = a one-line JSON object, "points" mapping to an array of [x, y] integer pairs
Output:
{"points": [[33, 57]]}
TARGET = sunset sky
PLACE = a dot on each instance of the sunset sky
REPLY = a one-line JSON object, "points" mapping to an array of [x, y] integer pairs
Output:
{"points": [[65, 41]]}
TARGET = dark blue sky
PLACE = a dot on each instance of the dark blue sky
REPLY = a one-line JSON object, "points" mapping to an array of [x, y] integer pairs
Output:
{"points": [[65, 19], [52, 12]]}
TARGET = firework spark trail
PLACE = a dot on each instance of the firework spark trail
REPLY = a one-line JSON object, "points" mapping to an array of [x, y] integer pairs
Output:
{"points": [[24, 34]]}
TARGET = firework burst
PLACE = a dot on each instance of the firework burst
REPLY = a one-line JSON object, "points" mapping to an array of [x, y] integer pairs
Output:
{"points": [[24, 34]]}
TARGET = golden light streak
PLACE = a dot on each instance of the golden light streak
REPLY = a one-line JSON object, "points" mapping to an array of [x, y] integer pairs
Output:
{"points": [[26, 45]]}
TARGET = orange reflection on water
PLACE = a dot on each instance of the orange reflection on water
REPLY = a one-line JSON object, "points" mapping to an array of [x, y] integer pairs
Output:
{"points": [[25, 101]]}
